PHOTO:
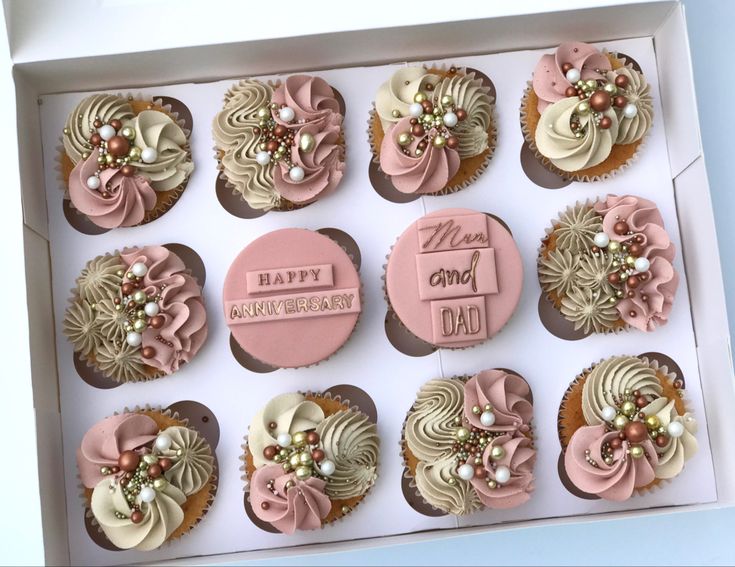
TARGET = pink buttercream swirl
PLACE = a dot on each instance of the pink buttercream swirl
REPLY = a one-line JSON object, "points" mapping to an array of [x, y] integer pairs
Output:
{"points": [[644, 220], [301, 507], [185, 320], [312, 100], [550, 82], [509, 396], [519, 458], [102, 445], [615, 481], [129, 197], [323, 166], [428, 173]]}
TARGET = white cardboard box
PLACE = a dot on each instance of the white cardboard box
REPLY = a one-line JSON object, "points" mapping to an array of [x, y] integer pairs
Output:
{"points": [[50, 57]]}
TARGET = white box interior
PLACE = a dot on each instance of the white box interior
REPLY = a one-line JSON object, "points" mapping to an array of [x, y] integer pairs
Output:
{"points": [[499, 190]]}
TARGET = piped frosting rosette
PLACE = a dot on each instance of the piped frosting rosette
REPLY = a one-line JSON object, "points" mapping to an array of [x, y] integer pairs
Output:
{"points": [[586, 111], [280, 146], [148, 477], [432, 130], [124, 161], [310, 460], [467, 442], [607, 265], [136, 315], [624, 428]]}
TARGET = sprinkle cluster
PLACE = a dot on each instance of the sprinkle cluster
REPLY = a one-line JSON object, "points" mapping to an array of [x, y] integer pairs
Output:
{"points": [[275, 140], [300, 454]]}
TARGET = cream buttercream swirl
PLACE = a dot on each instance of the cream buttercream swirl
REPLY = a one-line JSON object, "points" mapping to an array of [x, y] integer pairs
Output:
{"points": [[429, 430], [290, 413], [193, 463], [589, 309], [607, 382], [157, 130], [556, 140], [80, 123], [469, 94], [672, 457], [396, 94], [233, 130], [433, 482], [82, 327], [350, 440], [161, 517], [638, 93], [101, 278]]}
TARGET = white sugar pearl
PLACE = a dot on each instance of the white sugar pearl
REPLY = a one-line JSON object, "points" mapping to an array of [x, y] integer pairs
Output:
{"points": [[609, 413], [147, 494], [149, 155], [134, 339], [487, 418], [642, 264], [286, 114], [106, 132], [466, 472], [163, 442], [263, 158], [450, 119], [675, 429], [151, 309], [93, 182], [284, 439], [139, 269], [415, 110], [601, 240], [502, 474], [630, 110], [296, 173], [573, 75], [326, 467]]}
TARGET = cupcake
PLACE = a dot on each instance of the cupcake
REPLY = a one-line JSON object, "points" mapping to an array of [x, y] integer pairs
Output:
{"points": [[624, 428], [136, 315], [292, 298], [454, 277], [147, 477], [278, 145], [607, 266], [467, 443], [586, 112], [432, 130], [125, 162], [310, 459]]}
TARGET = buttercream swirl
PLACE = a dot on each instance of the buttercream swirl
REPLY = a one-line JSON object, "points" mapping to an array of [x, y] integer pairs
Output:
{"points": [[80, 123], [111, 321], [519, 457], [122, 363], [351, 441], [557, 271], [608, 381], [82, 327], [311, 99], [615, 481], [192, 458], [593, 271], [301, 507], [291, 413], [398, 91], [672, 457], [173, 165], [101, 278], [576, 228], [233, 130], [184, 329], [429, 431], [638, 93], [589, 310], [127, 198], [432, 480], [556, 140], [161, 517], [428, 173], [507, 394]]}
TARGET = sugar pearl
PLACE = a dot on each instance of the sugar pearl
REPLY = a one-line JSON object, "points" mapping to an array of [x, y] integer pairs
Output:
{"points": [[163, 442], [630, 110], [608, 413], [573, 75], [675, 429], [502, 474], [642, 264], [416, 110], [284, 439], [149, 155], [487, 418], [287, 114], [106, 132], [147, 494], [151, 309], [134, 339], [466, 472], [296, 173], [93, 182], [326, 467], [263, 158], [450, 119], [139, 269], [601, 239]]}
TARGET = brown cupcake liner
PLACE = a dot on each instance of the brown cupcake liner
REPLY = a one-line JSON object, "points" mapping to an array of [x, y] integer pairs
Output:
{"points": [[196, 505], [621, 157], [284, 204], [330, 404], [470, 168], [570, 417], [164, 199], [548, 245]]}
